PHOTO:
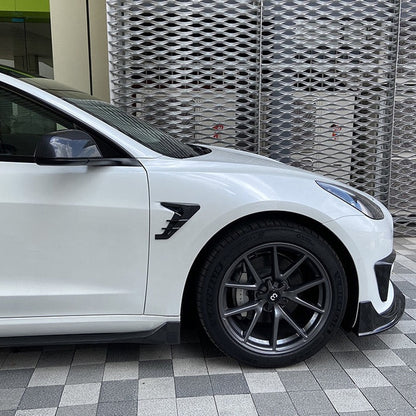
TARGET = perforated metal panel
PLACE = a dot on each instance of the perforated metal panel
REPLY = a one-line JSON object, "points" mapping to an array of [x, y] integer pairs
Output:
{"points": [[311, 83]]}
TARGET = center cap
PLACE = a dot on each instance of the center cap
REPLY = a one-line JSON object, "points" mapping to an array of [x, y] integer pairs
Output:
{"points": [[274, 296]]}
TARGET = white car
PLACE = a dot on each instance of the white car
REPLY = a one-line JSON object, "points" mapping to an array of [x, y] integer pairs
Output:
{"points": [[110, 226]]}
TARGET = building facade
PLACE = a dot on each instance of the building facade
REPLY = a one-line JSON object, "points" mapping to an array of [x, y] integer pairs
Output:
{"points": [[325, 86]]}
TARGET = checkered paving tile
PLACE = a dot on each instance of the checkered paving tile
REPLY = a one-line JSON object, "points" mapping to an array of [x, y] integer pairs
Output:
{"points": [[367, 376]]}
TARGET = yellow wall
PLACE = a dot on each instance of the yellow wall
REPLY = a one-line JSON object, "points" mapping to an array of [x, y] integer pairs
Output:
{"points": [[41, 6], [80, 53]]}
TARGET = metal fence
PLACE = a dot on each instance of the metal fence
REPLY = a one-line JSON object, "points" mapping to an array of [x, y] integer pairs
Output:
{"points": [[323, 85]]}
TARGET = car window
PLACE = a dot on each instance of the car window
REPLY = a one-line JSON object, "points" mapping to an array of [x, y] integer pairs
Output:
{"points": [[139, 130], [22, 123]]}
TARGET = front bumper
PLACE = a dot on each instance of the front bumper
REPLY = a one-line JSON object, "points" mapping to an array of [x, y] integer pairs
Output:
{"points": [[370, 322]]}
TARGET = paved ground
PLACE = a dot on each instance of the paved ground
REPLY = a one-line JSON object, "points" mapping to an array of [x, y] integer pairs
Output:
{"points": [[353, 376]]}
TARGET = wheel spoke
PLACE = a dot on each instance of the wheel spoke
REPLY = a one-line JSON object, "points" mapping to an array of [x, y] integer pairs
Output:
{"points": [[275, 298], [277, 276], [306, 304], [254, 320], [276, 322], [240, 309], [306, 286], [252, 271], [289, 272], [293, 324], [234, 285]]}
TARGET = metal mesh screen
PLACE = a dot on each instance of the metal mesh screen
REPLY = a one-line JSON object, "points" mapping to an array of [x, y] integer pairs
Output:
{"points": [[309, 82], [402, 195]]}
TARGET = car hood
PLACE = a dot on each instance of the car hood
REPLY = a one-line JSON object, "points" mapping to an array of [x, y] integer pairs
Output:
{"points": [[238, 160]]}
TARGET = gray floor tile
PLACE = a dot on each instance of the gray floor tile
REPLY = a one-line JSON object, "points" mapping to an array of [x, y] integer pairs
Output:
{"points": [[368, 377], [368, 343], [189, 366], [399, 376], [385, 398], [384, 358], [333, 379], [309, 403], [264, 382], [408, 356], [163, 407], [399, 268], [323, 360], [155, 352], [121, 370], [192, 386], [155, 368], [196, 406], [50, 411], [274, 404], [240, 404], [4, 352], [299, 380], [403, 286], [229, 384], [407, 412], [122, 352], [222, 365], [12, 379], [407, 326], [82, 374], [55, 358], [21, 360], [80, 394], [89, 355], [397, 341], [49, 376], [117, 409], [119, 391], [294, 367], [191, 350], [156, 388], [348, 400], [340, 343], [411, 304], [352, 359], [84, 410], [246, 369], [40, 397], [409, 393], [10, 398]]}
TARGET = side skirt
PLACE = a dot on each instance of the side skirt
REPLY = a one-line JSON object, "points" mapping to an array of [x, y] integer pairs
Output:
{"points": [[168, 333]]}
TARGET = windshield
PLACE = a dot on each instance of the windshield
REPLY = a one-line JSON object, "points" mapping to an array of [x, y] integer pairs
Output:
{"points": [[139, 130]]}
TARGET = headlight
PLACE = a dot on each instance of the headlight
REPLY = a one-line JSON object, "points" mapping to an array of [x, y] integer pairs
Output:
{"points": [[356, 200]]}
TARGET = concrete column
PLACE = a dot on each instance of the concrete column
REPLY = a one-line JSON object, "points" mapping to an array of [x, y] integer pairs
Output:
{"points": [[79, 45]]}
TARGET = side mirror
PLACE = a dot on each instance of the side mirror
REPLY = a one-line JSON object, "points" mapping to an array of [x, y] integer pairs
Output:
{"points": [[67, 147]]}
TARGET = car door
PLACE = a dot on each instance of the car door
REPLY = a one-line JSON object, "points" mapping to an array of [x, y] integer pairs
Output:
{"points": [[73, 239]]}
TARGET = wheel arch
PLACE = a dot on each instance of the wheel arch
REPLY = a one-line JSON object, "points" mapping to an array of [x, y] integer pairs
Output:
{"points": [[188, 306]]}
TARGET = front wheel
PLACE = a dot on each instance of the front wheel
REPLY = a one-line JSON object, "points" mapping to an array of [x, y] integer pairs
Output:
{"points": [[271, 293]]}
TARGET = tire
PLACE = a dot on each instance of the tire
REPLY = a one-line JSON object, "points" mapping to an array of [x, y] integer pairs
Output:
{"points": [[271, 293]]}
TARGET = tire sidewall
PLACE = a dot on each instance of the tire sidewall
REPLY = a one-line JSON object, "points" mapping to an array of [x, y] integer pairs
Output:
{"points": [[244, 240]]}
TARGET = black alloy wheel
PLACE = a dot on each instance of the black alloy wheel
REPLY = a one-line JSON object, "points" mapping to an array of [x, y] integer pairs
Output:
{"points": [[272, 295]]}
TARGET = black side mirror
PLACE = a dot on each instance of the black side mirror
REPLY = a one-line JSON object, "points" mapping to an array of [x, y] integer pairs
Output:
{"points": [[67, 147]]}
